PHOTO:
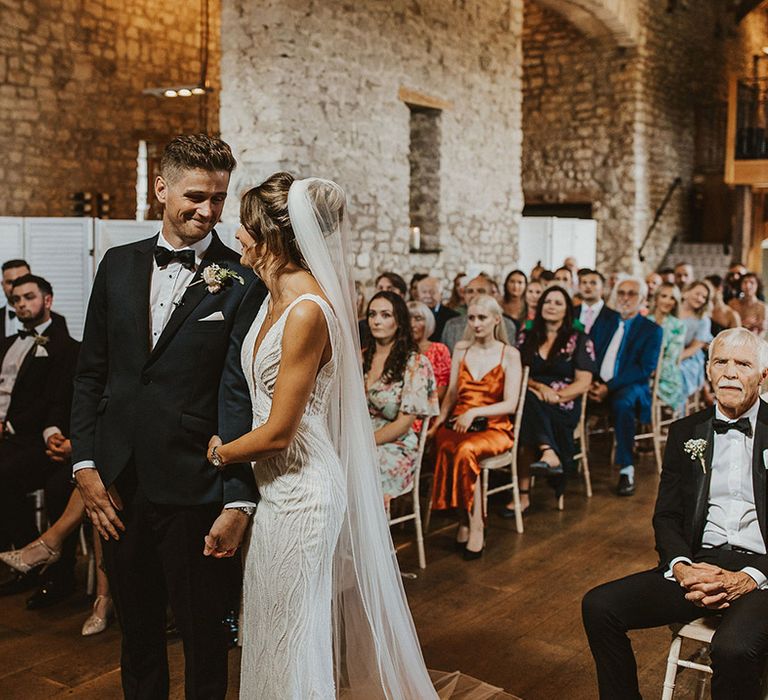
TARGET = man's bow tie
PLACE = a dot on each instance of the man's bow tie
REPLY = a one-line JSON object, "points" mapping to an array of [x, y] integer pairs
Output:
{"points": [[11, 313], [723, 426], [186, 257], [24, 333]]}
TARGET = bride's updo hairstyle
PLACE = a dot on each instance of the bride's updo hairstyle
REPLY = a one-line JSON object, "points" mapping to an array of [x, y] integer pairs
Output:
{"points": [[264, 214]]}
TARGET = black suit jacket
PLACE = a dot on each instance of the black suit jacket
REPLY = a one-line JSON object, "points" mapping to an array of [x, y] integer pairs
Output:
{"points": [[58, 319], [682, 502], [159, 407], [43, 388], [441, 317]]}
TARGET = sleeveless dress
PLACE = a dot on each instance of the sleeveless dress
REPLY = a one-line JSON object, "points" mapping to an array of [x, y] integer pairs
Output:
{"points": [[458, 454], [287, 649]]}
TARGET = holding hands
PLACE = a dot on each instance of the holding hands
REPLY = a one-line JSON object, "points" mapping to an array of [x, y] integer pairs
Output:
{"points": [[598, 391], [710, 586], [58, 448]]}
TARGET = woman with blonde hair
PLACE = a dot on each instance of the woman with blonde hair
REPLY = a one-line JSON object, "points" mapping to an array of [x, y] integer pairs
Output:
{"points": [[664, 309], [694, 313], [474, 421]]}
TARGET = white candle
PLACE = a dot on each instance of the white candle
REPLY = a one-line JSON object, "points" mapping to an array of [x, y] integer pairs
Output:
{"points": [[416, 238]]}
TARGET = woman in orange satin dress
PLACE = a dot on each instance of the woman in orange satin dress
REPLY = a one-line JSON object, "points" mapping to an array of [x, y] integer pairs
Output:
{"points": [[474, 418]]}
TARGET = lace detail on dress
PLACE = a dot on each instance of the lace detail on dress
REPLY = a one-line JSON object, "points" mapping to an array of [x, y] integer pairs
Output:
{"points": [[287, 589]]}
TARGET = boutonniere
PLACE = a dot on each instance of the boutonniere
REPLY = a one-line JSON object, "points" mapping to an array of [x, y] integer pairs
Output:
{"points": [[696, 449], [41, 340], [216, 277]]}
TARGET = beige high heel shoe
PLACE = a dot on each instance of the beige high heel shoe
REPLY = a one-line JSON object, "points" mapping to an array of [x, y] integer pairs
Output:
{"points": [[95, 624], [14, 558]]}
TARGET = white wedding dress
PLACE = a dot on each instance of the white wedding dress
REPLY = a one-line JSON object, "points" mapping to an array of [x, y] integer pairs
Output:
{"points": [[287, 651]]}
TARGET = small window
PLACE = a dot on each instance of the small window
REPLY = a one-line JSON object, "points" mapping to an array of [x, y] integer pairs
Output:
{"points": [[424, 161]]}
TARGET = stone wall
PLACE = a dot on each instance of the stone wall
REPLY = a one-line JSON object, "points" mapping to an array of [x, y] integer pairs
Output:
{"points": [[615, 127], [71, 105], [312, 87]]}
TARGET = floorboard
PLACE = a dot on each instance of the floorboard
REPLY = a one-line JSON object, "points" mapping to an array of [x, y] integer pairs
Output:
{"points": [[511, 618]]}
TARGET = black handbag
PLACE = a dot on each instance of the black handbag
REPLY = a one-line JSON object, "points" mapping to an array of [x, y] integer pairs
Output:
{"points": [[478, 425]]}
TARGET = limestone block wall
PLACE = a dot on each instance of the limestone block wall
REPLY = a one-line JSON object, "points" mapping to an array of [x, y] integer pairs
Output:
{"points": [[312, 87], [615, 127], [71, 105]]}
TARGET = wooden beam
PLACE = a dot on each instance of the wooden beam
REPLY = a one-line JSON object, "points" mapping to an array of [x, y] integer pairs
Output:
{"points": [[730, 130], [420, 99]]}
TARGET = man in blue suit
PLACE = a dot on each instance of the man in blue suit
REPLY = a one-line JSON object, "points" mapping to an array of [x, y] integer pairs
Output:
{"points": [[626, 363]]}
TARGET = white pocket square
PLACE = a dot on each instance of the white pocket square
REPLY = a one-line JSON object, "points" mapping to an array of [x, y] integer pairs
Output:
{"points": [[215, 316], [765, 458]]}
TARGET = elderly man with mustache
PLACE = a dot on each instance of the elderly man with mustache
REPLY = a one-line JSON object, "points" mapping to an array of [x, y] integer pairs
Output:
{"points": [[711, 534]]}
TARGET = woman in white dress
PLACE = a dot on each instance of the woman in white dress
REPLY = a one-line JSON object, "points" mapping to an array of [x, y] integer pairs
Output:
{"points": [[324, 611]]}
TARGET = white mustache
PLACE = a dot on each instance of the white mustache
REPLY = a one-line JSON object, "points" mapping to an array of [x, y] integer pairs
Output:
{"points": [[728, 384]]}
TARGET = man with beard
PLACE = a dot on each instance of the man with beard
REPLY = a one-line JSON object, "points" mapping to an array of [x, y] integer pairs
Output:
{"points": [[36, 372]]}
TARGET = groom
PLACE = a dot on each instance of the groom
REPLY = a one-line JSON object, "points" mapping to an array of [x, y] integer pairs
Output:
{"points": [[159, 373]]}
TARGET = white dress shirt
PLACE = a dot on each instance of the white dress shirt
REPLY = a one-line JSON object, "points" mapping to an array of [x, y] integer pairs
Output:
{"points": [[9, 372], [588, 314], [12, 325], [608, 368], [731, 516]]}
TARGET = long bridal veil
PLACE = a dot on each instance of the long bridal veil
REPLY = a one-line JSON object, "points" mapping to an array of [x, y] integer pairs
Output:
{"points": [[377, 653]]}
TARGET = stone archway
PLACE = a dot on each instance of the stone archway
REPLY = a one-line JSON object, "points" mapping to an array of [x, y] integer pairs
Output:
{"points": [[613, 20]]}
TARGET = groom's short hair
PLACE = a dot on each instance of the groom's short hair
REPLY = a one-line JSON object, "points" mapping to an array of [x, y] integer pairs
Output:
{"points": [[193, 151]]}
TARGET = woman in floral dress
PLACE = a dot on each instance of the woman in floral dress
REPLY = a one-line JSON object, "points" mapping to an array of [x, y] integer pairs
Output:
{"points": [[400, 386]]}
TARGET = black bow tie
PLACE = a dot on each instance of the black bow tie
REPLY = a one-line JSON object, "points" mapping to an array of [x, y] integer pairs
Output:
{"points": [[723, 426], [11, 313], [24, 333], [186, 257]]}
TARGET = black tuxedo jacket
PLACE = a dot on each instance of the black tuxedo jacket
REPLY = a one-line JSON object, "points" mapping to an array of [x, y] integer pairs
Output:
{"points": [[58, 319], [159, 407], [682, 502], [441, 318], [43, 389], [602, 331]]}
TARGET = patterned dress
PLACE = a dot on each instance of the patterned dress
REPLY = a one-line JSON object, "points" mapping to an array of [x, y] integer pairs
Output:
{"points": [[671, 380], [692, 368], [416, 395]]}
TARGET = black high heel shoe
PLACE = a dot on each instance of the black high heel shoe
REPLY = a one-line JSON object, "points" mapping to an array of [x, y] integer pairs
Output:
{"points": [[507, 512], [469, 555]]}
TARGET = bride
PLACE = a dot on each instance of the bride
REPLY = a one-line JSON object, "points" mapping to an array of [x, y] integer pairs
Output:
{"points": [[324, 611]]}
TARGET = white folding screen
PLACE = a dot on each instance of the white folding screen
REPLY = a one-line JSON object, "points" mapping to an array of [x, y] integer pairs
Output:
{"points": [[113, 232], [59, 250], [11, 240]]}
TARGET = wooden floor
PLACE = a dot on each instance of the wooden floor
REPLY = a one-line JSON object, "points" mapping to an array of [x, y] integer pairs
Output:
{"points": [[511, 618]]}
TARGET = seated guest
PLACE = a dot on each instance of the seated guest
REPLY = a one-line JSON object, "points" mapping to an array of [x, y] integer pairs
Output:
{"points": [[47, 549], [474, 418], [36, 373], [599, 320], [422, 326], [533, 292], [13, 269], [732, 288], [564, 278], [625, 368], [429, 292], [385, 282], [710, 525], [749, 307], [513, 303], [694, 313], [722, 316], [400, 387], [456, 328], [663, 312], [562, 363], [546, 277], [683, 275], [667, 274], [654, 281], [457, 301], [413, 292]]}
